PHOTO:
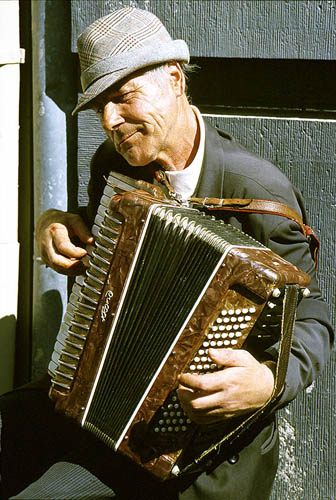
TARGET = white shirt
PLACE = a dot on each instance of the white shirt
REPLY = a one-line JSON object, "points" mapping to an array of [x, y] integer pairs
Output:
{"points": [[185, 181]]}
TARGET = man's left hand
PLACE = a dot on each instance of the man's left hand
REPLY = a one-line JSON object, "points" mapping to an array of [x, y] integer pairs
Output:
{"points": [[241, 385]]}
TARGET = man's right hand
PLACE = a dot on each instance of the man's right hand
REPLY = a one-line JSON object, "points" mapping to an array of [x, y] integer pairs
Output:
{"points": [[54, 233]]}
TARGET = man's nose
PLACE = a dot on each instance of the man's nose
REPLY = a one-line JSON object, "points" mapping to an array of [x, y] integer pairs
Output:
{"points": [[110, 117]]}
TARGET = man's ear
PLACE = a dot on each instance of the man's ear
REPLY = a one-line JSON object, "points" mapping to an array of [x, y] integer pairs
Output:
{"points": [[177, 78]]}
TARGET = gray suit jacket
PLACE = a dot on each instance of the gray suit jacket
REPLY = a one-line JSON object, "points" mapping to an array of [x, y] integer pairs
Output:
{"points": [[230, 171]]}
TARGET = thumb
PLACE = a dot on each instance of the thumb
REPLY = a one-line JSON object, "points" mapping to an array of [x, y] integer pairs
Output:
{"points": [[81, 230]]}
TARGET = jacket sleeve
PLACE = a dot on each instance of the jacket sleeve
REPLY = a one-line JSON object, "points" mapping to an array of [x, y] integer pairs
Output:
{"points": [[313, 334], [100, 165], [249, 176], [105, 160]]}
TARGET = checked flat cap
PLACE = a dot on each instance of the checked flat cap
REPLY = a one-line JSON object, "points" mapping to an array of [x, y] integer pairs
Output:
{"points": [[119, 44]]}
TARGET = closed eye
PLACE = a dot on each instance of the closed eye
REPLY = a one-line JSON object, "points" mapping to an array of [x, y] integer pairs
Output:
{"points": [[121, 98]]}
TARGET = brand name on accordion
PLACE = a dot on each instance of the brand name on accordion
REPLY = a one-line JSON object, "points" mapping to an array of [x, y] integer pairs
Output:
{"points": [[106, 306]]}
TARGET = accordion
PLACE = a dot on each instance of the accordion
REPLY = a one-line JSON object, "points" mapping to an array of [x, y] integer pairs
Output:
{"points": [[165, 282]]}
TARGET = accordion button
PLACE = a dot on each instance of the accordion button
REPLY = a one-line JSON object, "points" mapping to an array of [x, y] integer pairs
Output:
{"points": [[175, 470], [233, 460]]}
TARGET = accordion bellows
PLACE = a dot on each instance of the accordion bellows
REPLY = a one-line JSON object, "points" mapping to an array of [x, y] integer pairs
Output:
{"points": [[165, 283]]}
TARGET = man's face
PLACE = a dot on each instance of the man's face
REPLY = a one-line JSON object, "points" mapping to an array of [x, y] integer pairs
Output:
{"points": [[139, 116]]}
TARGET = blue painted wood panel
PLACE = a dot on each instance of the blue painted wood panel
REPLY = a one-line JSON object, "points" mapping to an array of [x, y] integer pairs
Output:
{"points": [[290, 29]]}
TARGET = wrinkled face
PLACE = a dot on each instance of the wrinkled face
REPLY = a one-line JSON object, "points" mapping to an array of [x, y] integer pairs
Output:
{"points": [[138, 115]]}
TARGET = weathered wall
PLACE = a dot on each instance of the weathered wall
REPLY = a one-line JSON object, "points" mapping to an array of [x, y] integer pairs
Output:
{"points": [[235, 28], [223, 32]]}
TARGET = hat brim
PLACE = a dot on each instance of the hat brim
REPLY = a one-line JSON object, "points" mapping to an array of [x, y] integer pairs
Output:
{"points": [[134, 61], [97, 88]]}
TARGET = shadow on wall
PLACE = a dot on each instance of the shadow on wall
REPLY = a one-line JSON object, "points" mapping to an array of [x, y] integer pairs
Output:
{"points": [[47, 323], [7, 348]]}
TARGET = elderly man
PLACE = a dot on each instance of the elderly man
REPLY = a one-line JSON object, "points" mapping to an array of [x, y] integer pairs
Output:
{"points": [[133, 77]]}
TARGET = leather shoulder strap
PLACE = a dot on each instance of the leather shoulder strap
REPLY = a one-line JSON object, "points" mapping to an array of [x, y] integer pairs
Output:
{"points": [[261, 207], [251, 205]]}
